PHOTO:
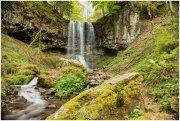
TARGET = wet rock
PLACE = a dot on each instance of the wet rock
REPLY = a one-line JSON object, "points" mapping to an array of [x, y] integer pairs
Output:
{"points": [[3, 105], [94, 83], [50, 91], [51, 106], [110, 100], [41, 90], [97, 77]]}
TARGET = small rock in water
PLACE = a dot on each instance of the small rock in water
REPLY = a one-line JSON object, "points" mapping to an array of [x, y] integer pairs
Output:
{"points": [[51, 106], [41, 90]]}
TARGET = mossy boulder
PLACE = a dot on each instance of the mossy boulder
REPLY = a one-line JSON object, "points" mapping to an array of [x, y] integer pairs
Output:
{"points": [[48, 78], [70, 69], [29, 69], [72, 63], [115, 99]]}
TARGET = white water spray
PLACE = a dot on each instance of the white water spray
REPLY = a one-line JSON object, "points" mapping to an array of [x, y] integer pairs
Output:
{"points": [[37, 105], [81, 43]]}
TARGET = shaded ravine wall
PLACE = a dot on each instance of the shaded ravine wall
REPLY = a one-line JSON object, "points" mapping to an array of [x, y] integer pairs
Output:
{"points": [[116, 31], [25, 23]]}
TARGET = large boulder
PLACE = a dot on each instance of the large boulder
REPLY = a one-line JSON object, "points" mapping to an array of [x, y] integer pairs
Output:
{"points": [[116, 98]]}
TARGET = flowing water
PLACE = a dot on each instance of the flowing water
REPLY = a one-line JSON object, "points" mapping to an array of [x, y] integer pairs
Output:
{"points": [[37, 104], [81, 43], [33, 106]]}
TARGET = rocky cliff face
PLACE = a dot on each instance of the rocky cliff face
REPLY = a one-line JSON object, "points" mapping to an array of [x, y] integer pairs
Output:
{"points": [[26, 24], [117, 32]]}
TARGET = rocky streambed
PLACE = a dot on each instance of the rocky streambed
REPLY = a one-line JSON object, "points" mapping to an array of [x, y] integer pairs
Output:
{"points": [[31, 102], [34, 102]]}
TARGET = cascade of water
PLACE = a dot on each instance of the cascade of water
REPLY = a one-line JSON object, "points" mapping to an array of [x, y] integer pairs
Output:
{"points": [[37, 105], [81, 38], [81, 42]]}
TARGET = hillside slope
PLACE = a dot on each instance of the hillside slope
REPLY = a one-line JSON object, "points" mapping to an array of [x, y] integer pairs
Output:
{"points": [[154, 54]]}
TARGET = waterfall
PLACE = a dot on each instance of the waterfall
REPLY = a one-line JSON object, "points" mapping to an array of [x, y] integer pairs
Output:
{"points": [[81, 44], [37, 103]]}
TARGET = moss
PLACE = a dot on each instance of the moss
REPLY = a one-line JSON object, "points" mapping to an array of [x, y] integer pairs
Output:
{"points": [[29, 69], [20, 79], [101, 102], [70, 69], [47, 79]]}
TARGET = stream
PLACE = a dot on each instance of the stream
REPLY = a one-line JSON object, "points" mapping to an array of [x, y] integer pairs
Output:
{"points": [[30, 104]]}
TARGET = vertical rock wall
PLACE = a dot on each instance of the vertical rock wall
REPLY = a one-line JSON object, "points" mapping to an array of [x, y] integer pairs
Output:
{"points": [[123, 31], [25, 23]]}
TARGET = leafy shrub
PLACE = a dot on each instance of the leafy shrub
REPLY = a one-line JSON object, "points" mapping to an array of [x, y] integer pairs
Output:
{"points": [[135, 113], [20, 79], [69, 83]]}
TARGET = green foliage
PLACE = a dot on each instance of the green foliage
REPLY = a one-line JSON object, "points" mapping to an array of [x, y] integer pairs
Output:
{"points": [[63, 7], [161, 72], [166, 40], [36, 41], [103, 8], [40, 8], [164, 92], [151, 9], [20, 79], [77, 12], [108, 7], [103, 61], [3, 94], [156, 58], [137, 112], [70, 83]]}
